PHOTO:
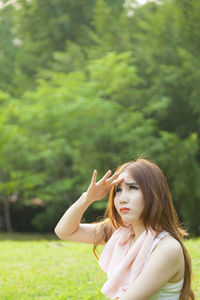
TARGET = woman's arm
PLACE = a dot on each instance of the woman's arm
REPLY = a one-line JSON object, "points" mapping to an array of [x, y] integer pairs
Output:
{"points": [[165, 262], [69, 226]]}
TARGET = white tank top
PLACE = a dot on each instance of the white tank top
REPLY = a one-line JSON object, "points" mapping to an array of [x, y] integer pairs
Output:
{"points": [[170, 291]]}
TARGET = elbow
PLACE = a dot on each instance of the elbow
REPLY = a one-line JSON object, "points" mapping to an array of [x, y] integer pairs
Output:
{"points": [[61, 234], [58, 233]]}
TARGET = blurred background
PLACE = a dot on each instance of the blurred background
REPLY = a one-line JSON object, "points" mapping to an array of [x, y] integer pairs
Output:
{"points": [[89, 85]]}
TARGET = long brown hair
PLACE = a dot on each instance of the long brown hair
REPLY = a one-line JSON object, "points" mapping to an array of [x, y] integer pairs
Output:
{"points": [[159, 212]]}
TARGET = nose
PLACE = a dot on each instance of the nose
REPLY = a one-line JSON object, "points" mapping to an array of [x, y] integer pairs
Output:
{"points": [[123, 198]]}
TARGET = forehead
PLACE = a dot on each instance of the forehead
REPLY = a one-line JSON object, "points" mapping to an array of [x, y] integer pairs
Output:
{"points": [[127, 177]]}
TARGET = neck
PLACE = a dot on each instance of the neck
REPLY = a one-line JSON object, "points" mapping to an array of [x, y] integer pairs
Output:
{"points": [[138, 229]]}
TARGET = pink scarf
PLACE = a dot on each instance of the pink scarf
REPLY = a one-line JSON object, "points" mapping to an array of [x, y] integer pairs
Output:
{"points": [[122, 263]]}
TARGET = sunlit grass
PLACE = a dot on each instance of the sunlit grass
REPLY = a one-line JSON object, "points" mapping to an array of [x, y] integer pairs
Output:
{"points": [[42, 267], [36, 267], [193, 246]]}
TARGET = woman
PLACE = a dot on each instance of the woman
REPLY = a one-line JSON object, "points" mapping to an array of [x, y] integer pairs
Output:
{"points": [[144, 255]]}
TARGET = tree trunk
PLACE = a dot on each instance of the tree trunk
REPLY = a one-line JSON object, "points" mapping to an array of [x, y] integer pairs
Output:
{"points": [[7, 214]]}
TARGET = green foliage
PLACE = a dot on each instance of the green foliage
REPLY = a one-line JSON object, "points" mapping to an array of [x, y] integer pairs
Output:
{"points": [[8, 48], [44, 28], [73, 128], [178, 157], [96, 84]]}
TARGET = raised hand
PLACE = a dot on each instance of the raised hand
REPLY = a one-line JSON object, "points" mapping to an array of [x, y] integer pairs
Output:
{"points": [[98, 190]]}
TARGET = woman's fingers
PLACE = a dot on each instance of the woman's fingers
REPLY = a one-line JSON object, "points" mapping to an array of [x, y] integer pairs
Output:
{"points": [[117, 181], [94, 177], [105, 177], [112, 178]]}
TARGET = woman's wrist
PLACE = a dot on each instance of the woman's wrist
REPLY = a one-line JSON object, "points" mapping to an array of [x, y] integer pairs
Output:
{"points": [[87, 198]]}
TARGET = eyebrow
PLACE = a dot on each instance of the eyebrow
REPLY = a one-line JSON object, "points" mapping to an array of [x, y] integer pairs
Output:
{"points": [[130, 183], [127, 183]]}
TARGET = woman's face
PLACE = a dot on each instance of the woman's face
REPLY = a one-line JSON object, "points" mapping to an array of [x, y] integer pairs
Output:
{"points": [[129, 200]]}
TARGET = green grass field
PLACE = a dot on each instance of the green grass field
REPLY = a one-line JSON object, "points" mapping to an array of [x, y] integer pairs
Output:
{"points": [[41, 267]]}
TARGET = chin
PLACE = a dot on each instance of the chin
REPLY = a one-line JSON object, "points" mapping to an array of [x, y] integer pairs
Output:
{"points": [[127, 221], [130, 221]]}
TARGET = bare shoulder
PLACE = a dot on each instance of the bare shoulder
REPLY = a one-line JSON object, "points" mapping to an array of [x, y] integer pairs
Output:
{"points": [[170, 247], [171, 250]]}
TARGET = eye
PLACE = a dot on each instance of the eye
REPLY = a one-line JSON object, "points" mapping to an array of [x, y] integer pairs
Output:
{"points": [[133, 187], [117, 189]]}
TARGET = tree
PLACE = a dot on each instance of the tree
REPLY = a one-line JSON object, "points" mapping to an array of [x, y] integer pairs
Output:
{"points": [[43, 28], [8, 48]]}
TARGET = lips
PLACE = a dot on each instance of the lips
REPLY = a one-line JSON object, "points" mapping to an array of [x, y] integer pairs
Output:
{"points": [[124, 209]]}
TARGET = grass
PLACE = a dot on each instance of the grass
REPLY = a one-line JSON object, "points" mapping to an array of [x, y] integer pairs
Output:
{"points": [[193, 246], [41, 267]]}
